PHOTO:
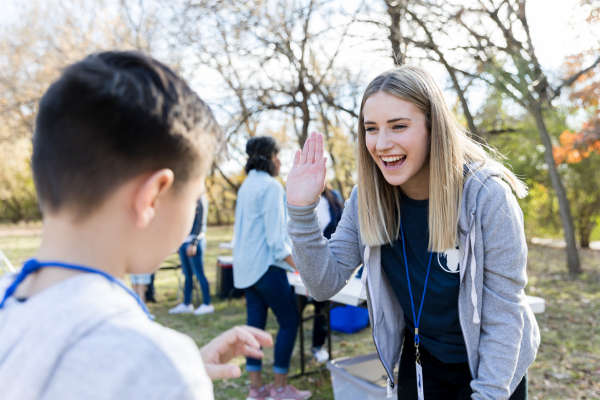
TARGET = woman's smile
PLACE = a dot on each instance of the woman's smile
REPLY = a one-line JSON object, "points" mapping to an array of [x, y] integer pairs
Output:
{"points": [[393, 162]]}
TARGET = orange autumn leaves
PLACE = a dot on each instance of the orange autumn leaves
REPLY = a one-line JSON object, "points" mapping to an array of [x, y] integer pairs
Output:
{"points": [[576, 146], [585, 96]]}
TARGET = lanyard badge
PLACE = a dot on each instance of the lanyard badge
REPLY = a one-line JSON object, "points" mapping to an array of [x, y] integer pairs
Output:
{"points": [[416, 318]]}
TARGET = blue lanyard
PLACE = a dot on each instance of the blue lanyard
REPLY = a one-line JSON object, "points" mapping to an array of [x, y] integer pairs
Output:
{"points": [[416, 318], [33, 265]]}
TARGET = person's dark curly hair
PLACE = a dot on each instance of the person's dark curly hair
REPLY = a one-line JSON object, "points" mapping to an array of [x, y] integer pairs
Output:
{"points": [[260, 150]]}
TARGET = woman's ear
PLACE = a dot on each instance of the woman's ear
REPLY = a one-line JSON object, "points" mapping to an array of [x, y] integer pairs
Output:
{"points": [[147, 196]]}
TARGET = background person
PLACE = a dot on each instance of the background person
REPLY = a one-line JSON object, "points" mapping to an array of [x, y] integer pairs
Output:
{"points": [[191, 254], [139, 284], [424, 188], [261, 256]]}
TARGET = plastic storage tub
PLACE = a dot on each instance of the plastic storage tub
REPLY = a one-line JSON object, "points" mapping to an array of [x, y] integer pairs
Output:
{"points": [[359, 378], [348, 319]]}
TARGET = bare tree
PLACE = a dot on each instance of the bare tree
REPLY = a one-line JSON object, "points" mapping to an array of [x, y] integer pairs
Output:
{"points": [[279, 61], [34, 47]]}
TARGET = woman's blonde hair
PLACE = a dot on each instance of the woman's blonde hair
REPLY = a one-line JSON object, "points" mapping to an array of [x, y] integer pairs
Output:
{"points": [[450, 150]]}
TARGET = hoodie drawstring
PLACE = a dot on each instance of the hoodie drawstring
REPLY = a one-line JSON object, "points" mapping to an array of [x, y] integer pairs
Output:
{"points": [[473, 291], [471, 241], [363, 278]]}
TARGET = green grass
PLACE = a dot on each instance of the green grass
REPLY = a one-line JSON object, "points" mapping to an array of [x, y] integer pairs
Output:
{"points": [[567, 365]]}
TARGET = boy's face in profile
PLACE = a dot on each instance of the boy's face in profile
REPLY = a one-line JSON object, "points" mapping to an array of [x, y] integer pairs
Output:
{"points": [[172, 222]]}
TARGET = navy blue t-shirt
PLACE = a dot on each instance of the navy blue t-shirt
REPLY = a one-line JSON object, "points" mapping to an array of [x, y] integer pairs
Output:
{"points": [[439, 327]]}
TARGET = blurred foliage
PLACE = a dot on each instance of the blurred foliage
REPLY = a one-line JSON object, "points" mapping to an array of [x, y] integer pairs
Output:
{"points": [[35, 46], [44, 37], [518, 142]]}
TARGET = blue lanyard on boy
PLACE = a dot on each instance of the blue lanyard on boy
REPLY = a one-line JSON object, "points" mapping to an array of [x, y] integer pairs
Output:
{"points": [[416, 318], [33, 265]]}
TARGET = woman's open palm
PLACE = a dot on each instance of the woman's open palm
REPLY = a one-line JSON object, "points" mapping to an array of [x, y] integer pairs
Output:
{"points": [[306, 180]]}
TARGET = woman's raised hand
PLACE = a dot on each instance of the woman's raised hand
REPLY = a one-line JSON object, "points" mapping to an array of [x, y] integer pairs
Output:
{"points": [[306, 180]]}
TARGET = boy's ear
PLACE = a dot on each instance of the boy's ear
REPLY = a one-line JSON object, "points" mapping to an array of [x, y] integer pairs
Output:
{"points": [[146, 198]]}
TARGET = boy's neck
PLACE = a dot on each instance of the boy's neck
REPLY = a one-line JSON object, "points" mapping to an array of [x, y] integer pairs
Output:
{"points": [[96, 242]]}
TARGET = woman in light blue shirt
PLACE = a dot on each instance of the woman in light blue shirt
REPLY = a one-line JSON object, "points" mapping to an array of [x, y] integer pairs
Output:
{"points": [[262, 254]]}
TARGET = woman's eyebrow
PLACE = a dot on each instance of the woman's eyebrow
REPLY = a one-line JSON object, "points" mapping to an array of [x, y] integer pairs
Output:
{"points": [[397, 119], [389, 121]]}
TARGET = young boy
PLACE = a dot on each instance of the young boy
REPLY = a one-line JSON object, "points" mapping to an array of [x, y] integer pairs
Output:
{"points": [[120, 152]]}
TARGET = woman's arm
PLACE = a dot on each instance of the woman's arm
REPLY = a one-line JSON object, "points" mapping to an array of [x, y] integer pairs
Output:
{"points": [[504, 278], [325, 266]]}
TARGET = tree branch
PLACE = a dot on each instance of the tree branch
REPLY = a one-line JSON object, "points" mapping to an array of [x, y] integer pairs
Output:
{"points": [[569, 81]]}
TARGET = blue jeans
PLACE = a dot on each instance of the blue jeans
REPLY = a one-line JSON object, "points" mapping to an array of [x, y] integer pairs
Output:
{"points": [[274, 291], [191, 266]]}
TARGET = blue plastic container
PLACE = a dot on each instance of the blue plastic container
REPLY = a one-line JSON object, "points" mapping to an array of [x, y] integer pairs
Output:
{"points": [[348, 319]]}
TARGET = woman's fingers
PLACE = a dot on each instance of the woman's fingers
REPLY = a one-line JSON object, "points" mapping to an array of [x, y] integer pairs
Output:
{"points": [[296, 158], [304, 152], [318, 147], [310, 157]]}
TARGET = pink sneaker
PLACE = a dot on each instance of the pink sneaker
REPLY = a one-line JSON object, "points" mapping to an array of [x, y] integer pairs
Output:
{"points": [[262, 394], [290, 393]]}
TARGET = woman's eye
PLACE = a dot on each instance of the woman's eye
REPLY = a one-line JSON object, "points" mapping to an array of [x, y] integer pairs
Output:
{"points": [[370, 129], [398, 127]]}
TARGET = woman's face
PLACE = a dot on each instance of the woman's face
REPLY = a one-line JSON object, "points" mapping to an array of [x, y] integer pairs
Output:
{"points": [[397, 138], [277, 164]]}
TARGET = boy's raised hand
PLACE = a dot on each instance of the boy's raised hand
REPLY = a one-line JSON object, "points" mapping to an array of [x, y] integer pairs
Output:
{"points": [[306, 180], [239, 340]]}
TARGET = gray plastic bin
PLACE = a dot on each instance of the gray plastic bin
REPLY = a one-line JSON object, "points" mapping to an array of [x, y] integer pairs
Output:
{"points": [[359, 378]]}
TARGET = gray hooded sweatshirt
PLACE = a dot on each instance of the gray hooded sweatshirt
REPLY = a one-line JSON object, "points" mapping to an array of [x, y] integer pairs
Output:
{"points": [[500, 330], [86, 338]]}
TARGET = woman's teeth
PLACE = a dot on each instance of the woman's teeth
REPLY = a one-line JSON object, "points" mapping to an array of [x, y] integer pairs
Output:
{"points": [[393, 161]]}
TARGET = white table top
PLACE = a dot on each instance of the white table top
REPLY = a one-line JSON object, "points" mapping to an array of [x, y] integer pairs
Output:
{"points": [[228, 246], [350, 294]]}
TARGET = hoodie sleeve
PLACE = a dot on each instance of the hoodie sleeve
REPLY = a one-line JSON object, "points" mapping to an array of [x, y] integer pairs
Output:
{"points": [[325, 265], [503, 299]]}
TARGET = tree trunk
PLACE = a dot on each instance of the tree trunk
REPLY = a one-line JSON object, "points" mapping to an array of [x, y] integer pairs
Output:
{"points": [[584, 236], [395, 37], [561, 194]]}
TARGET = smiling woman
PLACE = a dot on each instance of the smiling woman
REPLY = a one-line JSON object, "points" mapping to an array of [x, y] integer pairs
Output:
{"points": [[441, 238], [404, 113]]}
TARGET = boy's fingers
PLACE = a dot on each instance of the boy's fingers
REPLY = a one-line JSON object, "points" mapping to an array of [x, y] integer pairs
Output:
{"points": [[319, 147], [251, 352], [263, 338], [239, 335], [222, 371], [310, 157]]}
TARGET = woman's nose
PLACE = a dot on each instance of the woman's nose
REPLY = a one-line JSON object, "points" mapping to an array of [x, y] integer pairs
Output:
{"points": [[383, 142]]}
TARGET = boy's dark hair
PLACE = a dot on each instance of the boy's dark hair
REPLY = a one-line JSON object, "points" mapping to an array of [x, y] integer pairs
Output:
{"points": [[113, 116], [260, 150]]}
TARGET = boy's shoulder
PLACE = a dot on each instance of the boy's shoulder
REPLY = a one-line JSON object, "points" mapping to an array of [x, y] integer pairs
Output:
{"points": [[88, 338], [134, 355]]}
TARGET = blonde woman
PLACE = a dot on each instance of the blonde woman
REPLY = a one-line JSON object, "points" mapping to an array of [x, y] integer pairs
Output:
{"points": [[441, 238]]}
